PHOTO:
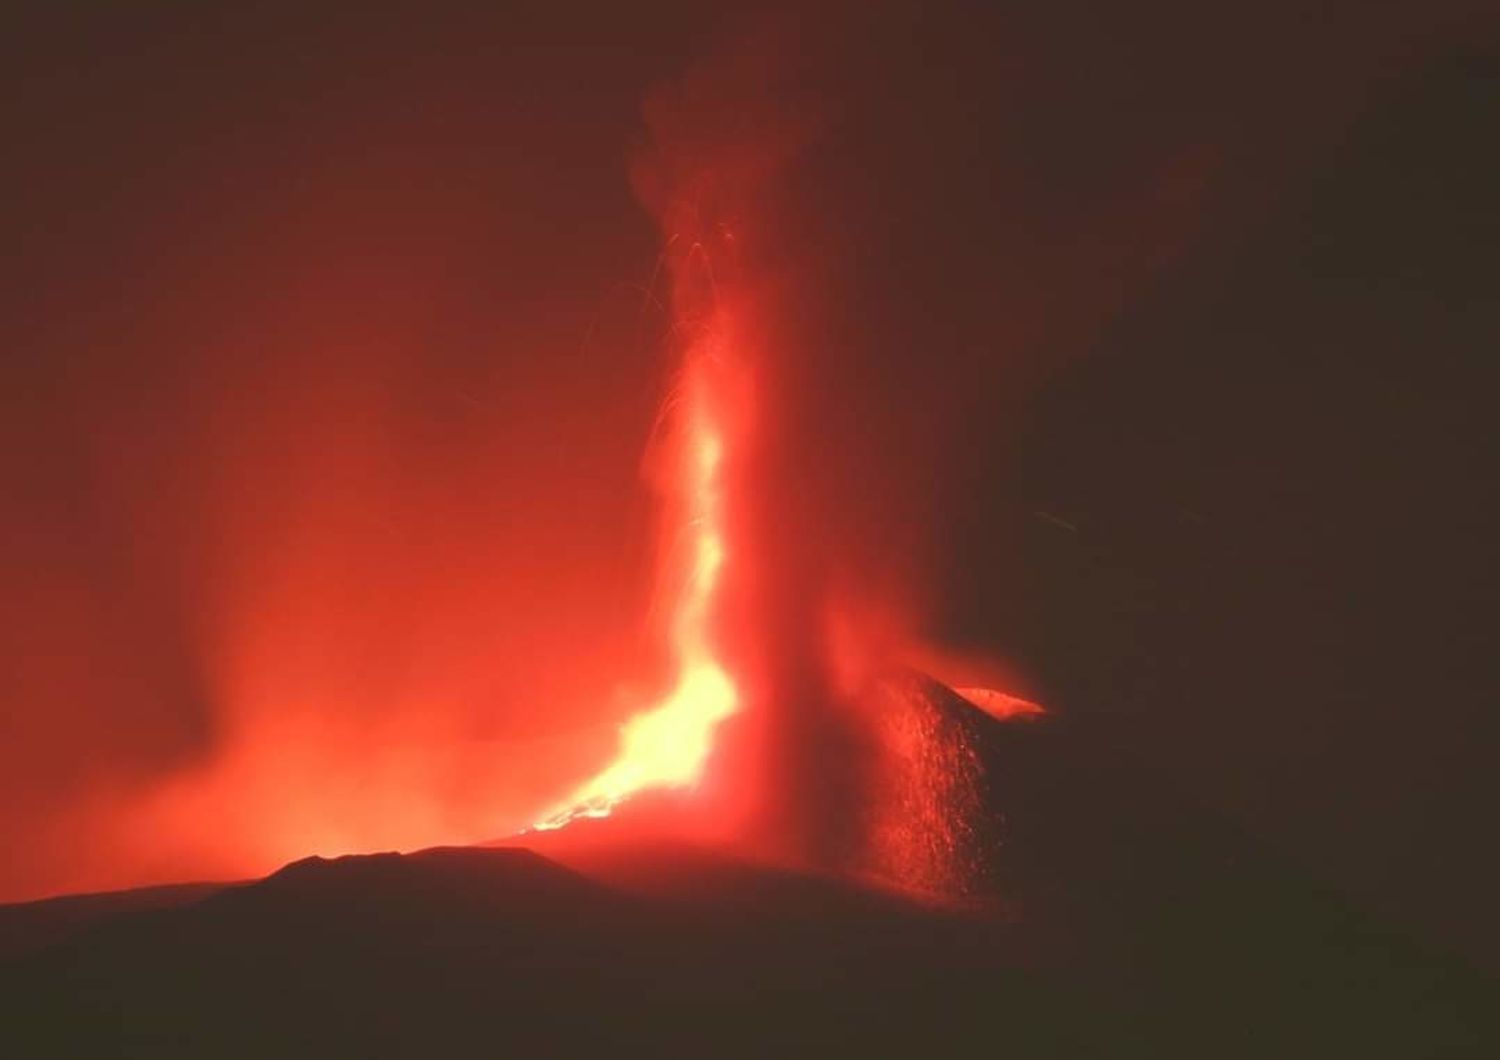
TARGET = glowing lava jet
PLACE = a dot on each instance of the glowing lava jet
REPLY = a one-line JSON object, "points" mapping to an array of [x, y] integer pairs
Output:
{"points": [[667, 746]]}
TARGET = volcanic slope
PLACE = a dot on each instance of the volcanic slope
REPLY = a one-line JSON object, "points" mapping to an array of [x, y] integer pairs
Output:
{"points": [[1106, 917]]}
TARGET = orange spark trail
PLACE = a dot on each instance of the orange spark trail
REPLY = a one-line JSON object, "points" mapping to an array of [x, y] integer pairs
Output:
{"points": [[668, 745]]}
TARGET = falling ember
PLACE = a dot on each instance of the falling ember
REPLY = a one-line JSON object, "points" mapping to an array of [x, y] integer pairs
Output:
{"points": [[666, 746]]}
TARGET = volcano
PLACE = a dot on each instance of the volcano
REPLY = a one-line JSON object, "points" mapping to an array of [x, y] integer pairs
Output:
{"points": [[1105, 916], [1129, 359]]}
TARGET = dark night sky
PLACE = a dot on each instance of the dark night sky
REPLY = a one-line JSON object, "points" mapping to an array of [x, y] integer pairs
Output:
{"points": [[1144, 346]]}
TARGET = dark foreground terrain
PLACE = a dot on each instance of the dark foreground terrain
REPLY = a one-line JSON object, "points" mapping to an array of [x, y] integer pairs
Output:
{"points": [[1131, 928]]}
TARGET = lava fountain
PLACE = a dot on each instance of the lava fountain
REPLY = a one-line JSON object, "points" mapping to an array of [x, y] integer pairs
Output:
{"points": [[667, 745], [842, 754]]}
